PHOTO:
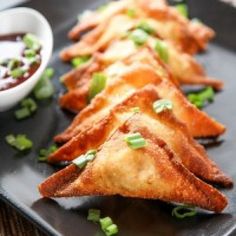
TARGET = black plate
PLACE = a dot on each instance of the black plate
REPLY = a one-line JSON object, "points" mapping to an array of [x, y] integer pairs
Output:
{"points": [[20, 174]]}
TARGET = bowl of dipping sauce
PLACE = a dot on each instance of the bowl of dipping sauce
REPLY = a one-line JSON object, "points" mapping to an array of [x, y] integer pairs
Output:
{"points": [[26, 43]]}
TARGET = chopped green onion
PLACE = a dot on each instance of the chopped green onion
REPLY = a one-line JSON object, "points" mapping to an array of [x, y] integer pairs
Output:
{"points": [[189, 211], [162, 49], [131, 12], [78, 61], [16, 73], [33, 60], [135, 140], [199, 99], [49, 72], [22, 113], [13, 63], [28, 107], [82, 160], [182, 8], [135, 109], [20, 142], [162, 105], [97, 84], [30, 104], [139, 37], [31, 41], [196, 100], [105, 222], [111, 230], [29, 53], [44, 88], [10, 139], [145, 26], [94, 215], [44, 153]]}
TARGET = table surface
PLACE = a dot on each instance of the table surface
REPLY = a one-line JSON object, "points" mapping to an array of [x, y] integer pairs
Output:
{"points": [[13, 224]]}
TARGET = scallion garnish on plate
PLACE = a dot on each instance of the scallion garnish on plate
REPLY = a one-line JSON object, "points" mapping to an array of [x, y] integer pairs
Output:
{"points": [[44, 88], [44, 153], [28, 107], [20, 142], [135, 140], [162, 105], [183, 211], [94, 215], [106, 223], [199, 99], [97, 84], [82, 160], [108, 227]]}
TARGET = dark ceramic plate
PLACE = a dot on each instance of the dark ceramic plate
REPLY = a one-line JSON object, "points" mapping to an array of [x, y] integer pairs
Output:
{"points": [[20, 174]]}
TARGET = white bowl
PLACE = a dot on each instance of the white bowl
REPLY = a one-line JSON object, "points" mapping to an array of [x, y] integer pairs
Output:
{"points": [[29, 21]]}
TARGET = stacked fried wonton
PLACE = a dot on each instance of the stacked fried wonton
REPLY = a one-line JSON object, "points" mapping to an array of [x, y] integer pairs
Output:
{"points": [[171, 166]]}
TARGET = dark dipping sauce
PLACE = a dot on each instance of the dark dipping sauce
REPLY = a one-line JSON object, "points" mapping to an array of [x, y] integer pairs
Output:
{"points": [[19, 59]]}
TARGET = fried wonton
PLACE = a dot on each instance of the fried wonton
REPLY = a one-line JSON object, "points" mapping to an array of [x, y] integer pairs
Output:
{"points": [[189, 36], [78, 80], [165, 125], [151, 172], [183, 67], [137, 76]]}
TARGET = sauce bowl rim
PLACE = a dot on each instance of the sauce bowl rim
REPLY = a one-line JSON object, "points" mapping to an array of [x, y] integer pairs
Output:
{"points": [[45, 58]]}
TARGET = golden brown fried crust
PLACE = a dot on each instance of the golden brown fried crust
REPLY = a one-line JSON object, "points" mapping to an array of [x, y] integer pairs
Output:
{"points": [[101, 101], [186, 71], [149, 172], [191, 36], [77, 82], [191, 154], [96, 18], [79, 76], [198, 122], [203, 80], [94, 135], [171, 130], [83, 47], [98, 39], [75, 100]]}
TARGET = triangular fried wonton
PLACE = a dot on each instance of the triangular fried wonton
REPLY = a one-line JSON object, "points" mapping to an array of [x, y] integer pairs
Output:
{"points": [[189, 36], [139, 75], [151, 172], [172, 131], [181, 69]]}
